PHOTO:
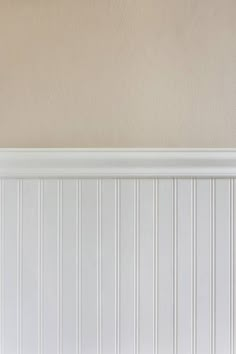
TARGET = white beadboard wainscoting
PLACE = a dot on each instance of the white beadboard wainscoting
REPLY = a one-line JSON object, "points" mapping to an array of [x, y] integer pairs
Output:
{"points": [[117, 252]]}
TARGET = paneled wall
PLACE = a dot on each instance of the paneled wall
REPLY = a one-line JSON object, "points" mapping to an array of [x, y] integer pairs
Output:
{"points": [[117, 266]]}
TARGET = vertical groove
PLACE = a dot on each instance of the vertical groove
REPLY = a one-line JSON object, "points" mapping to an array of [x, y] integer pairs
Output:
{"points": [[155, 266], [175, 267], [154, 273], [19, 264], [61, 270], [234, 271], [117, 266], [1, 270], [231, 266], [59, 267], [99, 267], [40, 266], [2, 241], [136, 266], [194, 266], [78, 266], [212, 266]]}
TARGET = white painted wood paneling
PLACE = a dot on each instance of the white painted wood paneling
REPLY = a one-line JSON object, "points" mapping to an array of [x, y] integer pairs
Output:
{"points": [[69, 217], [117, 266], [164, 224], [184, 298], [203, 266], [222, 267], [145, 266], [9, 262], [108, 266], [89, 283], [50, 271], [127, 297], [29, 271]]}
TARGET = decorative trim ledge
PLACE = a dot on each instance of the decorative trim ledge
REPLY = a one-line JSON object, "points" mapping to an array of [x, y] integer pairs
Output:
{"points": [[89, 163]]}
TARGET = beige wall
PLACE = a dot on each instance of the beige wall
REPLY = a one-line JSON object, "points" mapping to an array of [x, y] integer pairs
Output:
{"points": [[118, 73]]}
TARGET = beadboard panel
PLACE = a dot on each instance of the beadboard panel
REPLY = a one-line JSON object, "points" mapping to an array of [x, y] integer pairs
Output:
{"points": [[136, 265], [203, 274]]}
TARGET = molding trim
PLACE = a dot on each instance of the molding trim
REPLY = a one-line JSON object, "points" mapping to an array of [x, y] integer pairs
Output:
{"points": [[89, 163]]}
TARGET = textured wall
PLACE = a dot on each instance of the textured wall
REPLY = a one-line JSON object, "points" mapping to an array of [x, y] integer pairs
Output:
{"points": [[82, 73]]}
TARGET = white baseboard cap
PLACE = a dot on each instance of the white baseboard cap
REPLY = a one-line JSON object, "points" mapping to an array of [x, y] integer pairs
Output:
{"points": [[115, 163]]}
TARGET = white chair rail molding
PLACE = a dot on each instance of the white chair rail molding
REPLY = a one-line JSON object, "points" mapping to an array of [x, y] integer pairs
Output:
{"points": [[123, 251]]}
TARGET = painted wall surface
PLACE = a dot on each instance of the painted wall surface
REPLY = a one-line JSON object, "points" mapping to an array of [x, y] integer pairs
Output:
{"points": [[117, 266], [118, 73]]}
